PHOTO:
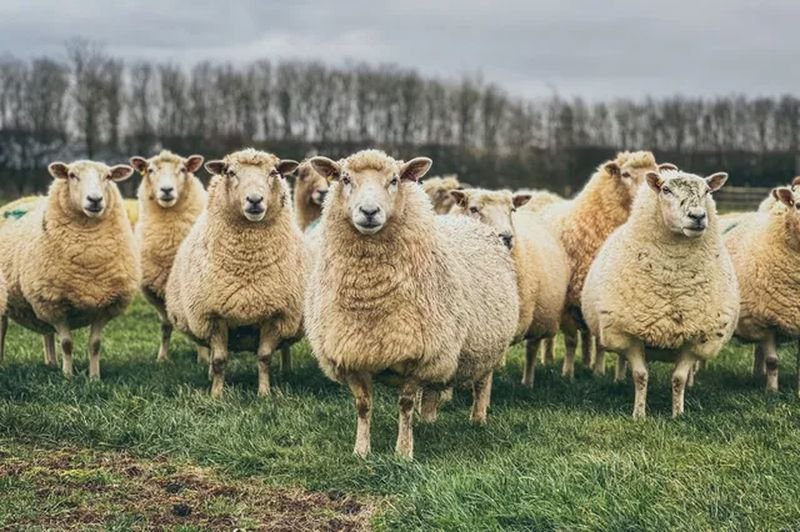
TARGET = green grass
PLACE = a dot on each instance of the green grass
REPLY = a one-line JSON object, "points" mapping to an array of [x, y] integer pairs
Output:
{"points": [[561, 456]]}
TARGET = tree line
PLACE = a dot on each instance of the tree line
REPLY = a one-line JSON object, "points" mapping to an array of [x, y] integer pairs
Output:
{"points": [[91, 104]]}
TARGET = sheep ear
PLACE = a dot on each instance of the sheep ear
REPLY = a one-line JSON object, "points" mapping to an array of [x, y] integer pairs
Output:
{"points": [[215, 167], [287, 166], [193, 163], [715, 181], [415, 169], [140, 163], [58, 170], [666, 166], [796, 181], [784, 195], [612, 168], [654, 181], [521, 199], [327, 168], [121, 172], [460, 197]]}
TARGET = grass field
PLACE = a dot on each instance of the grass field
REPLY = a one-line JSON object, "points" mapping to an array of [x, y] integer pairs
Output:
{"points": [[147, 447]]}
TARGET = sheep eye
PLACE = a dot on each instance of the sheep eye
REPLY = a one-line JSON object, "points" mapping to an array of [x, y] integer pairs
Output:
{"points": [[797, 206], [666, 191], [393, 182], [183, 169], [513, 209], [345, 180], [72, 176], [626, 174], [473, 210]]}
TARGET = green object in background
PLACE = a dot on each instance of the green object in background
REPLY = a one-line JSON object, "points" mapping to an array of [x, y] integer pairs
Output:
{"points": [[15, 213]]}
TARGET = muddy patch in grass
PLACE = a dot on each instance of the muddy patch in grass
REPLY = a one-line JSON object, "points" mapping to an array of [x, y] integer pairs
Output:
{"points": [[77, 489]]}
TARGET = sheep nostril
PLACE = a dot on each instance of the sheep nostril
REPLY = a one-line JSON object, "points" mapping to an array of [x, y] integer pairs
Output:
{"points": [[168, 190], [94, 199], [507, 239], [369, 211], [697, 216], [255, 199]]}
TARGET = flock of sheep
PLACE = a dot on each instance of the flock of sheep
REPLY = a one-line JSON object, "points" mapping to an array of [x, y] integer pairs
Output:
{"points": [[422, 286]]}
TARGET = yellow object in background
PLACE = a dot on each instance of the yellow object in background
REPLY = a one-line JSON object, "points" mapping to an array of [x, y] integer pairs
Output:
{"points": [[132, 208]]}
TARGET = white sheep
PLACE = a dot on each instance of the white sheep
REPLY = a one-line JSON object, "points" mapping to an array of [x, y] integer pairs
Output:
{"points": [[170, 200], [399, 291], [438, 190], [71, 261], [539, 262], [765, 250], [662, 286], [239, 275]]}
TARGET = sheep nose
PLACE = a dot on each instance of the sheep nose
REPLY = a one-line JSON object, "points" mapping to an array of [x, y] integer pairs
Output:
{"points": [[370, 211], [95, 199], [168, 190], [322, 194], [508, 239], [697, 216], [255, 198]]}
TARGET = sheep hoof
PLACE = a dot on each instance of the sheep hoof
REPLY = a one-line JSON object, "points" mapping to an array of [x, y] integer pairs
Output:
{"points": [[361, 453]]}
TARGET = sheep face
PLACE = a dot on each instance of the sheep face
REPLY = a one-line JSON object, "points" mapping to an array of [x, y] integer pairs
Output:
{"points": [[629, 169], [438, 190], [89, 184], [788, 197], [370, 194], [494, 208], [312, 186], [165, 176], [684, 200]]}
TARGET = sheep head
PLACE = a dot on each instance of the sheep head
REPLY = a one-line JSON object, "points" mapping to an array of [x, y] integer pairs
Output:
{"points": [[165, 175], [684, 200], [89, 184], [253, 182], [628, 170], [312, 186], [492, 207], [438, 190], [369, 185]]}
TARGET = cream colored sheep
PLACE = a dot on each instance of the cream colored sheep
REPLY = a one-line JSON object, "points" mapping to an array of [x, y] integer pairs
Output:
{"points": [[438, 190], [770, 200], [398, 291], [765, 250], [170, 200], [662, 286], [71, 261], [240, 272], [539, 262], [583, 224], [310, 190], [539, 198]]}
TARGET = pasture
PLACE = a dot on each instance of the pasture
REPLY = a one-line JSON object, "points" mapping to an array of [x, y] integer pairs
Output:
{"points": [[147, 447]]}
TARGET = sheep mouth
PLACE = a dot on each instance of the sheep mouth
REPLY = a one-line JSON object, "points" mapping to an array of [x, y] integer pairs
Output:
{"points": [[368, 227], [318, 198], [93, 211], [255, 213], [167, 201], [694, 231]]}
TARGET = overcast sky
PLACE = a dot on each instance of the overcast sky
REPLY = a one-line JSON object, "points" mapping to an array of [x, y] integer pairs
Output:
{"points": [[592, 48]]}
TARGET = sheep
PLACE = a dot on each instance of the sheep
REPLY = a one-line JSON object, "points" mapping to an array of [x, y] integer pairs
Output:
{"points": [[765, 250], [399, 291], [583, 224], [770, 200], [539, 198], [240, 272], [663, 286], [310, 190], [438, 190], [170, 200], [539, 262], [71, 262]]}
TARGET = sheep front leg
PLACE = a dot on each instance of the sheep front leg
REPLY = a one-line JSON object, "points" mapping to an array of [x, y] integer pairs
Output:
{"points": [[219, 358], [621, 368], [95, 341], [531, 350], [166, 334], [759, 361], [771, 361], [599, 366], [570, 345], [266, 345], [429, 405], [286, 358], [481, 395], [680, 377], [66, 349], [636, 358], [549, 351], [203, 355], [361, 388], [586, 348], [405, 424], [49, 341]]}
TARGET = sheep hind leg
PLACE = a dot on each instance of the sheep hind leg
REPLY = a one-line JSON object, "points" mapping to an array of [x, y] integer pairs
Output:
{"points": [[759, 361], [771, 362], [203, 355], [680, 377], [49, 341], [286, 358], [549, 350], [166, 334], [429, 405], [95, 342], [405, 424], [621, 368], [219, 358], [361, 388], [528, 372], [586, 348], [481, 396], [266, 345], [3, 331], [636, 359], [599, 366], [570, 345], [65, 335]]}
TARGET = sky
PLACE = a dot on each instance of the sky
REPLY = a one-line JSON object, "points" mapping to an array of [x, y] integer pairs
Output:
{"points": [[597, 49]]}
